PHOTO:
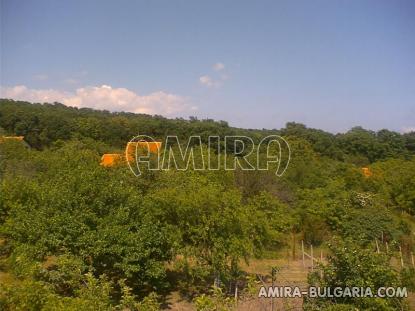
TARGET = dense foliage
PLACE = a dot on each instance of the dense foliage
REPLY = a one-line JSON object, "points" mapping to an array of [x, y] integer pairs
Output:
{"points": [[78, 236]]}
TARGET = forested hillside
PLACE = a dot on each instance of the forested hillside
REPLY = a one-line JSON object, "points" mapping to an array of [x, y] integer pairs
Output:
{"points": [[77, 236], [45, 124]]}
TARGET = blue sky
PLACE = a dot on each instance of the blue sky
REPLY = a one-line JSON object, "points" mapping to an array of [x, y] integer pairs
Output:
{"points": [[257, 64]]}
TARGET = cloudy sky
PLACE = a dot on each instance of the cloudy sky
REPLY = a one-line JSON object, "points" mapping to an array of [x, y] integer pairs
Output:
{"points": [[258, 64]]}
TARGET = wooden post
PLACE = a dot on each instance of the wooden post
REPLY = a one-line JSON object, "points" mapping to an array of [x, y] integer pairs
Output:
{"points": [[387, 247], [302, 251], [312, 257], [377, 246], [412, 260], [293, 245], [400, 253], [236, 293]]}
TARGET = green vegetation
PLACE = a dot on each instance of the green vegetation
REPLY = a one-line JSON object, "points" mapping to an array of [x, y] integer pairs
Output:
{"points": [[78, 236]]}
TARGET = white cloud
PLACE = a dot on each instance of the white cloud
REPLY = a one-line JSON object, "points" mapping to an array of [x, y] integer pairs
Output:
{"points": [[218, 66], [105, 97], [21, 92], [209, 82], [408, 129], [220, 77]]}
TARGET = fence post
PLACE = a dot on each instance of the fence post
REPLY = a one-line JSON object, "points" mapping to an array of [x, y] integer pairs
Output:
{"points": [[377, 246], [412, 260], [293, 246], [400, 252], [236, 293], [312, 257], [302, 251]]}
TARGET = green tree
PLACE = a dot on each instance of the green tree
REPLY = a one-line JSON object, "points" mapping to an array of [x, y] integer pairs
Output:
{"points": [[349, 265]]}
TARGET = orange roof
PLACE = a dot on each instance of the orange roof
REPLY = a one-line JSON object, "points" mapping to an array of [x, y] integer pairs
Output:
{"points": [[366, 171], [151, 146], [4, 138], [111, 159]]}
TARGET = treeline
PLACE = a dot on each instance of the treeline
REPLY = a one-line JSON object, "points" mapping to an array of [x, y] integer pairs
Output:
{"points": [[44, 124]]}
